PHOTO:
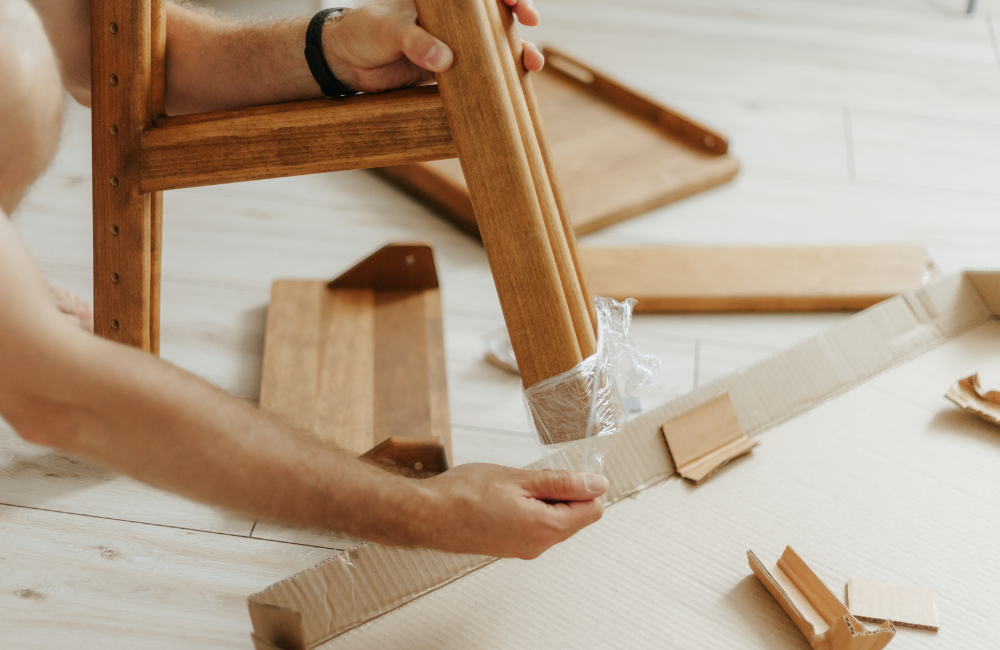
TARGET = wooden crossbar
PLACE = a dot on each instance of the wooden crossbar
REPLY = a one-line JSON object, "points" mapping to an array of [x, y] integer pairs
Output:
{"points": [[306, 137]]}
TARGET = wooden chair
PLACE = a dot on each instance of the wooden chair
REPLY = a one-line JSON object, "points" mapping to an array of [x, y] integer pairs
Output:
{"points": [[483, 109]]}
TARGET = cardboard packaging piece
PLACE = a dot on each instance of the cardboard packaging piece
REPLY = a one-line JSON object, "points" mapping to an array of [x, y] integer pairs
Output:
{"points": [[359, 361], [823, 620], [968, 394], [850, 415], [618, 154], [755, 278], [903, 605], [705, 438]]}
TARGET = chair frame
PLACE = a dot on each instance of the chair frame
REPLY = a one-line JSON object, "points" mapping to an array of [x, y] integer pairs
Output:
{"points": [[483, 108]]}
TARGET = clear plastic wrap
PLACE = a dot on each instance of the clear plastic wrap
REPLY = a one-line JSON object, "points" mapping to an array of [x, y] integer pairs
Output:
{"points": [[585, 402]]}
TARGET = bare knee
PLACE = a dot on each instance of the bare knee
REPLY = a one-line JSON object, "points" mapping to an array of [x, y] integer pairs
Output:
{"points": [[31, 101]]}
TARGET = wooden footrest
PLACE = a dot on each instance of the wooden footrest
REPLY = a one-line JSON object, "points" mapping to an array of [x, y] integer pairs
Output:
{"points": [[359, 361]]}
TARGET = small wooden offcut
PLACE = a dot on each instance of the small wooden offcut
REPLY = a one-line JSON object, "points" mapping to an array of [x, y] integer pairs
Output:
{"points": [[359, 361], [618, 154]]}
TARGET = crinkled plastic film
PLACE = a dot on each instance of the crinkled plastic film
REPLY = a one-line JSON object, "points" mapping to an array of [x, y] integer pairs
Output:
{"points": [[585, 402]]}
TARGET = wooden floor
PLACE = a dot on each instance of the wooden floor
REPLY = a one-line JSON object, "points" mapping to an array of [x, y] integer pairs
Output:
{"points": [[855, 121]]}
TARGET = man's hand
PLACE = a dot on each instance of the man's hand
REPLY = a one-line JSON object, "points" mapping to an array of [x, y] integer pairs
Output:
{"points": [[506, 512], [379, 46]]}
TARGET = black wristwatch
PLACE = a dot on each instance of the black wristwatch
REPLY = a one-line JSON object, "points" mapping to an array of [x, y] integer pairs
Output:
{"points": [[329, 84]]}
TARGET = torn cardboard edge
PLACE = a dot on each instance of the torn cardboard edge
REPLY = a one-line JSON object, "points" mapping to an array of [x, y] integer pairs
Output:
{"points": [[969, 395], [705, 438], [820, 616], [903, 605], [320, 603]]}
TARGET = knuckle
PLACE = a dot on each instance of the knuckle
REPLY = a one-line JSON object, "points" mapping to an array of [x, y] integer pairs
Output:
{"points": [[562, 482]]}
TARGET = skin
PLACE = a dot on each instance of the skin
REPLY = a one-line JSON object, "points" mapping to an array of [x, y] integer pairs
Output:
{"points": [[215, 63], [139, 415]]}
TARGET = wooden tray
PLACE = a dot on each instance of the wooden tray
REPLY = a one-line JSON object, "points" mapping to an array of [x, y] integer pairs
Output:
{"points": [[359, 361], [618, 153]]}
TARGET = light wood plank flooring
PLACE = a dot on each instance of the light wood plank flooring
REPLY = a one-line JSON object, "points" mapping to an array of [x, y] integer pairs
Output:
{"points": [[855, 121]]}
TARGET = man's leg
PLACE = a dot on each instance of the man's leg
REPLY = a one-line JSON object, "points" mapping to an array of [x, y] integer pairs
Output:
{"points": [[31, 103]]}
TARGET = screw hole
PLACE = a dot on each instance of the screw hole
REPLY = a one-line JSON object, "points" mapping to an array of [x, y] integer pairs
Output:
{"points": [[114, 129], [114, 181], [709, 141], [114, 230], [114, 324], [113, 79], [113, 28], [418, 466], [410, 260], [115, 278]]}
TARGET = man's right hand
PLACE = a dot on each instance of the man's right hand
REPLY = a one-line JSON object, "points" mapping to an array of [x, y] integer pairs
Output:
{"points": [[505, 512]]}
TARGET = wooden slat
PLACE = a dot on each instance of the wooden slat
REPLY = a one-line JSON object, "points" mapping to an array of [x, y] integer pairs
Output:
{"points": [[292, 349], [295, 138], [120, 76], [719, 279]]}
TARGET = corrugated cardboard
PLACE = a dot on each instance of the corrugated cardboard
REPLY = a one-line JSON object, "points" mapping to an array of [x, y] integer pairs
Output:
{"points": [[705, 438], [969, 395], [862, 463], [822, 619], [906, 605]]}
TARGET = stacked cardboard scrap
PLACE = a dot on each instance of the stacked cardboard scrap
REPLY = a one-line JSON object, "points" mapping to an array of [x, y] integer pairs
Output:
{"points": [[865, 469]]}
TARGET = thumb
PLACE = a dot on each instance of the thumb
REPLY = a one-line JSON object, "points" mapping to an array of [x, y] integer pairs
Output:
{"points": [[424, 50], [560, 485]]}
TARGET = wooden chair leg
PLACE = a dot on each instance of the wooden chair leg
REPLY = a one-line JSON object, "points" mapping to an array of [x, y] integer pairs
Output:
{"points": [[157, 109], [122, 37], [488, 128], [120, 47]]}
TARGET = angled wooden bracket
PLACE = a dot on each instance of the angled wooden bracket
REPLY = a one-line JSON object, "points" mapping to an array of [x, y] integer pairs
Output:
{"points": [[822, 619], [359, 361]]}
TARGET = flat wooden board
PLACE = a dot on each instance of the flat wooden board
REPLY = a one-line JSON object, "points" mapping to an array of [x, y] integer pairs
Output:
{"points": [[355, 366], [615, 155], [718, 279]]}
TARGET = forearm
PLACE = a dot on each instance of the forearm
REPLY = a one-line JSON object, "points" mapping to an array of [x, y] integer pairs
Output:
{"points": [[216, 63], [211, 62], [133, 413]]}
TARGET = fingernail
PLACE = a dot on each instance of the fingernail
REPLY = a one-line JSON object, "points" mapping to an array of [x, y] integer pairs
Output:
{"points": [[438, 57], [595, 483]]}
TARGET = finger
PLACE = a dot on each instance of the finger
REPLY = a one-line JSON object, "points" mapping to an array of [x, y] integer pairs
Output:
{"points": [[525, 11], [533, 59], [424, 50], [570, 517], [561, 485]]}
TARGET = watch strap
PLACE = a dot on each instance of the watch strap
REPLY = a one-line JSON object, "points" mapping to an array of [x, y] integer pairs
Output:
{"points": [[328, 83]]}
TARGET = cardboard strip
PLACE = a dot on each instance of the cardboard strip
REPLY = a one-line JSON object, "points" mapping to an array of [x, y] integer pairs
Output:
{"points": [[967, 394], [772, 391], [759, 278], [822, 619], [705, 438], [904, 605]]}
